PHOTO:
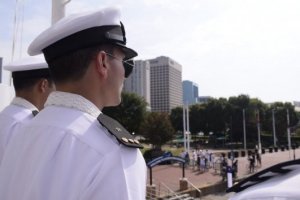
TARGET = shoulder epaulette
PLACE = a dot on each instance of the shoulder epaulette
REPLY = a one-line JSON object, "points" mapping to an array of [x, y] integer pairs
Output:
{"points": [[117, 130], [266, 174]]}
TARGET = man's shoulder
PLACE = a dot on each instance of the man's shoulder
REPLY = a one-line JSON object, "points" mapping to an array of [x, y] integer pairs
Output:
{"points": [[75, 125], [15, 113]]}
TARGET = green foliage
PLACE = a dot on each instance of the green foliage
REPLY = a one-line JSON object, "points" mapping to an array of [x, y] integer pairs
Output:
{"points": [[225, 117], [157, 128], [176, 118], [198, 120], [130, 113]]}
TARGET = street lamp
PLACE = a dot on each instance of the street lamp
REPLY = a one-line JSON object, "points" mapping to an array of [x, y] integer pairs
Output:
{"points": [[274, 128], [288, 131], [244, 127], [258, 130], [186, 128]]}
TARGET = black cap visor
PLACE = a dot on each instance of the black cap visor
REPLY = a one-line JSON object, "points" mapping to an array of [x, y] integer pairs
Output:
{"points": [[129, 53]]}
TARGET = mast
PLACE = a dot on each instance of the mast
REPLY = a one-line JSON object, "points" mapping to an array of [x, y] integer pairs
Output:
{"points": [[58, 9]]}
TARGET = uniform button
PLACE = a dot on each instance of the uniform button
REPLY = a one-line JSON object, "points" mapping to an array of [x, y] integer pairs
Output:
{"points": [[131, 140], [124, 139], [136, 141]]}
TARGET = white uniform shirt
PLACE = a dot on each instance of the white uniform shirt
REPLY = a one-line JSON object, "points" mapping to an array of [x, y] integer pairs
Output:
{"points": [[11, 117], [65, 154]]}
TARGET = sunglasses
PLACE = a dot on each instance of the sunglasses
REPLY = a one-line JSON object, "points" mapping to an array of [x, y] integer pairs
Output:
{"points": [[128, 64]]}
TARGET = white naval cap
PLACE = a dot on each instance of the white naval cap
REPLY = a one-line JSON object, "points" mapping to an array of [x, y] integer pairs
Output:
{"points": [[33, 66], [80, 31]]}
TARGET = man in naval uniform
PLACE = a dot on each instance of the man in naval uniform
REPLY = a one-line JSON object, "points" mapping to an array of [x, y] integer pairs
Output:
{"points": [[32, 84], [71, 150]]}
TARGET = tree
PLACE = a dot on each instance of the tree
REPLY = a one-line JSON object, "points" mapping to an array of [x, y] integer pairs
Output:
{"points": [[280, 116], [216, 115], [157, 129], [237, 104], [176, 118], [198, 118], [130, 113]]}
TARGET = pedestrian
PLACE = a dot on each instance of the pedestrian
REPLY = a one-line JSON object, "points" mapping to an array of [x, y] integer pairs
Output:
{"points": [[258, 158], [251, 159], [207, 159], [187, 159], [194, 158], [71, 150], [32, 84], [224, 168]]}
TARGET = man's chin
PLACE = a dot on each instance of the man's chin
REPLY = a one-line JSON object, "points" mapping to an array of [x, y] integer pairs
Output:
{"points": [[115, 103]]}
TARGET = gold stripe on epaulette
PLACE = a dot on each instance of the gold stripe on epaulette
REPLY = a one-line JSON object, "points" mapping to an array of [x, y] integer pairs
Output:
{"points": [[131, 140], [125, 139]]}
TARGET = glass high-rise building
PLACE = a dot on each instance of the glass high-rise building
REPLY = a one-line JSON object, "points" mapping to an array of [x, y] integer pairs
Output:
{"points": [[165, 84], [190, 92]]}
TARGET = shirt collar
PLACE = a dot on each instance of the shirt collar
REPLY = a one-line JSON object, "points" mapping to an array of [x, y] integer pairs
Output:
{"points": [[71, 100], [18, 101]]}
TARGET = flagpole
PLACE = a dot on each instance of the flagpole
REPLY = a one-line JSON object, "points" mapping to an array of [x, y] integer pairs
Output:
{"points": [[244, 126], [274, 128], [258, 131], [188, 127], [184, 126], [288, 131]]}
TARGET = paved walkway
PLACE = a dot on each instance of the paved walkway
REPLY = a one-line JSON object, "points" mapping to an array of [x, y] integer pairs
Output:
{"points": [[168, 175]]}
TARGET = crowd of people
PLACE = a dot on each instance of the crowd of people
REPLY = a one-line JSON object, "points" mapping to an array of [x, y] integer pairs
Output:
{"points": [[201, 160]]}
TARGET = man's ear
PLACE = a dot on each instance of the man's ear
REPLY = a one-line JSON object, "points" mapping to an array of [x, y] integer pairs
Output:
{"points": [[43, 85], [101, 63]]}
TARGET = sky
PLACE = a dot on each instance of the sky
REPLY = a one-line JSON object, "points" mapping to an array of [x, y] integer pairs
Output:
{"points": [[227, 47]]}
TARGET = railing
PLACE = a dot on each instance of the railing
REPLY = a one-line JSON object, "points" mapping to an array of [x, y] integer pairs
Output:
{"points": [[160, 192], [197, 189], [172, 192]]}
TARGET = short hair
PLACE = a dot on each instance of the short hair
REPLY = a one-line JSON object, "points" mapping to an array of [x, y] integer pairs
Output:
{"points": [[28, 83], [73, 66]]}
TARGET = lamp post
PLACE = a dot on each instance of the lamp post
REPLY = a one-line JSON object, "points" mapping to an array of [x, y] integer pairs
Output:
{"points": [[258, 131], [288, 131], [274, 128], [186, 128], [231, 143], [244, 127]]}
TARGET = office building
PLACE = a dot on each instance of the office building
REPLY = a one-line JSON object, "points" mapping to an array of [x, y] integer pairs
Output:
{"points": [[139, 81], [190, 92], [165, 84]]}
